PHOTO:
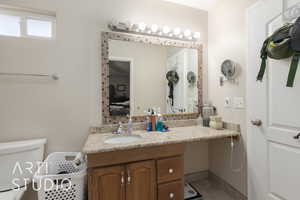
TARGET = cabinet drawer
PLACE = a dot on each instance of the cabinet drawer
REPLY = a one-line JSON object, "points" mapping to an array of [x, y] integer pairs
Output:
{"points": [[169, 169], [172, 191]]}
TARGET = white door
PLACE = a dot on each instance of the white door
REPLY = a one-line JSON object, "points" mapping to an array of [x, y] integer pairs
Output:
{"points": [[273, 152]]}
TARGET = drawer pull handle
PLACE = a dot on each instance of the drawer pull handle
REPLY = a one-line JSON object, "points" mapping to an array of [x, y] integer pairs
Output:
{"points": [[122, 178], [172, 195], [171, 171], [128, 177]]}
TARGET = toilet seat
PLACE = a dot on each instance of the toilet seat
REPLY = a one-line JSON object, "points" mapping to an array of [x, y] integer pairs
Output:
{"points": [[12, 194]]}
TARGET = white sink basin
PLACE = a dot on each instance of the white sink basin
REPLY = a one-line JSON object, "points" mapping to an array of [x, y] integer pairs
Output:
{"points": [[122, 139]]}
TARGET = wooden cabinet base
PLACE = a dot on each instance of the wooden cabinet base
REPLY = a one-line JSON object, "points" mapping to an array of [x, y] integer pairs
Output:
{"points": [[154, 173]]}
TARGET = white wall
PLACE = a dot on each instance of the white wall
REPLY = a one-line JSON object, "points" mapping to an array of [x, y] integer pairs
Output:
{"points": [[227, 40], [63, 111]]}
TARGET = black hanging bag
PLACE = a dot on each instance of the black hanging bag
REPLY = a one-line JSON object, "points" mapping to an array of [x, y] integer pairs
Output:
{"points": [[295, 46], [282, 44]]}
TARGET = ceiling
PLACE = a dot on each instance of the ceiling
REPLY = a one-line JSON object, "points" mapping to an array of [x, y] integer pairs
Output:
{"points": [[199, 4]]}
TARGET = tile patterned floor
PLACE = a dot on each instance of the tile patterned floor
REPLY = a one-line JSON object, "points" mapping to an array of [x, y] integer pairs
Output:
{"points": [[210, 190]]}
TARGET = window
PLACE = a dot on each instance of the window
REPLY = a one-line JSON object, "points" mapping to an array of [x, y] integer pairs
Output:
{"points": [[26, 24], [39, 28], [10, 25]]}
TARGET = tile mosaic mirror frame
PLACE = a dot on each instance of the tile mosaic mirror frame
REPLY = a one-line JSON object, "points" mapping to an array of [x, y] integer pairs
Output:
{"points": [[107, 36]]}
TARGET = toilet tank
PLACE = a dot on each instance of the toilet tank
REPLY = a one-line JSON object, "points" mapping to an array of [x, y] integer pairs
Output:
{"points": [[19, 161]]}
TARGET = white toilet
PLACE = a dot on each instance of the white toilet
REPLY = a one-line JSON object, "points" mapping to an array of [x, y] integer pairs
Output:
{"points": [[15, 167]]}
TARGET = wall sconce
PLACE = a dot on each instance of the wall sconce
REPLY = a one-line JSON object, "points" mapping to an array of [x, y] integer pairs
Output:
{"points": [[154, 30]]}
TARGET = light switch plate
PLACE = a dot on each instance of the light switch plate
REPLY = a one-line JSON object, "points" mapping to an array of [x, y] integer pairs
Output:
{"points": [[238, 102]]}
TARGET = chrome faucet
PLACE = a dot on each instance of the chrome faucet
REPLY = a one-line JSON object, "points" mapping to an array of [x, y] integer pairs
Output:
{"points": [[120, 129]]}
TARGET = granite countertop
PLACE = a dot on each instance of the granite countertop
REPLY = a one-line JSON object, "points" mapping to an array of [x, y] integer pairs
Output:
{"points": [[95, 143]]}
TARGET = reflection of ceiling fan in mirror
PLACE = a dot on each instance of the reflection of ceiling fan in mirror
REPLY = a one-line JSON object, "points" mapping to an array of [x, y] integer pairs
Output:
{"points": [[229, 70], [191, 78]]}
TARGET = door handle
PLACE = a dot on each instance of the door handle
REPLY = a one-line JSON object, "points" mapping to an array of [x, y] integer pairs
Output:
{"points": [[297, 137], [256, 122]]}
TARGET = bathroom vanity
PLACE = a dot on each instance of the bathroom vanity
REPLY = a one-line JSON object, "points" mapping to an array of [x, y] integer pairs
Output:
{"points": [[149, 168], [136, 174], [139, 73]]}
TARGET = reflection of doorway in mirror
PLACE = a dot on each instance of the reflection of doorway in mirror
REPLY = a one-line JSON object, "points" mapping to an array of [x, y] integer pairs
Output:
{"points": [[183, 61], [120, 86]]}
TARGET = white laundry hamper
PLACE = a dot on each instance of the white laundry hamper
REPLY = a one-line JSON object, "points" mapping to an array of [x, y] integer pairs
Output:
{"points": [[59, 179]]}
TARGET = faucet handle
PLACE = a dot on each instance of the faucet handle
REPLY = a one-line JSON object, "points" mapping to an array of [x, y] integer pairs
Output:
{"points": [[120, 128]]}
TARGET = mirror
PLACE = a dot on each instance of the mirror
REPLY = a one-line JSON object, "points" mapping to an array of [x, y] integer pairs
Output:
{"points": [[143, 76], [150, 74]]}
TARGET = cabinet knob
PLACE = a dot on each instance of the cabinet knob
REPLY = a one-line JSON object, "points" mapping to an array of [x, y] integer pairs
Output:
{"points": [[171, 171], [172, 195]]}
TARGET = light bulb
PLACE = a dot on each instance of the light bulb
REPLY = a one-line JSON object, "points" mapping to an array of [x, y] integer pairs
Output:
{"points": [[142, 26], [177, 31], [187, 33], [154, 28], [166, 29], [197, 35]]}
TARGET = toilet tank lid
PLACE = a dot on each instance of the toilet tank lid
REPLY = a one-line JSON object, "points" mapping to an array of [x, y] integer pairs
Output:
{"points": [[19, 146]]}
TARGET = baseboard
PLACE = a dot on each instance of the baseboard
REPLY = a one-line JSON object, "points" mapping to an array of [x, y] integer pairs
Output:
{"points": [[196, 176], [237, 195]]}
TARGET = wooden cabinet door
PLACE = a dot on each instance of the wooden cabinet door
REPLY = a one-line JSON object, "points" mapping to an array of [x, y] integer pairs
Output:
{"points": [[141, 181], [107, 183]]}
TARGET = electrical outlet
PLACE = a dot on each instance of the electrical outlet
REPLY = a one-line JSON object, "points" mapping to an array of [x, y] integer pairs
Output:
{"points": [[227, 103], [238, 103]]}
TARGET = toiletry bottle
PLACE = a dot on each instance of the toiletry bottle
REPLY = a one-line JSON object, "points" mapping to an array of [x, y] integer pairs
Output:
{"points": [[153, 120], [147, 123], [130, 126], [159, 123]]}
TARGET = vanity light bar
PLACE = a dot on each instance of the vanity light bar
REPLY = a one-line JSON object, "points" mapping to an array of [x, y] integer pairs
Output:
{"points": [[154, 30]]}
